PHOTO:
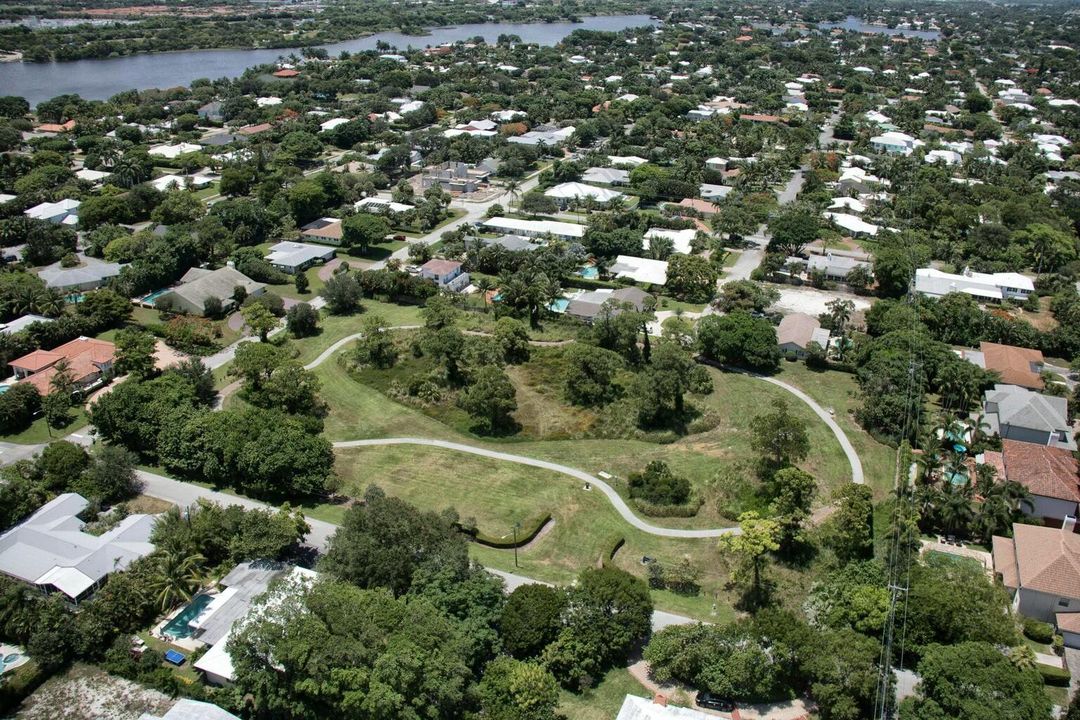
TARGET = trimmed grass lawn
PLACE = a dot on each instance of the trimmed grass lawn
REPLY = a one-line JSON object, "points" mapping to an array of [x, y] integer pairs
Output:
{"points": [[671, 304], [38, 432], [839, 391], [603, 701], [455, 213], [490, 492]]}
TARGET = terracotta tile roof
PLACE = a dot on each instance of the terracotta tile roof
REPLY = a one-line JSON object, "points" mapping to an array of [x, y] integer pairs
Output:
{"points": [[702, 206], [761, 118], [1048, 559], [1069, 622], [440, 267], [286, 73], [995, 460], [254, 129], [35, 361], [1014, 364], [1005, 561], [1050, 472]]}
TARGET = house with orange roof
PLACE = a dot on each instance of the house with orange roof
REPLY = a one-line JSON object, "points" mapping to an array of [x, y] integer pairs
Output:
{"points": [[1040, 567], [1014, 365], [1051, 475], [55, 127], [286, 73], [88, 361]]}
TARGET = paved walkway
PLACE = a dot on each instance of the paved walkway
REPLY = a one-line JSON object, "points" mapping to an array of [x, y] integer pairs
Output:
{"points": [[185, 494], [616, 500]]}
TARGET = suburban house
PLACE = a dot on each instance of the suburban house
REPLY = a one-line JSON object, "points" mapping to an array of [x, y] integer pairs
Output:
{"points": [[835, 267], [895, 143], [199, 285], [535, 228], [857, 180], [639, 269], [455, 177], [798, 331], [1050, 474], [50, 550], [543, 135], [325, 230], [510, 243], [587, 305], [447, 274], [380, 206], [1016, 413], [1014, 365], [88, 361], [680, 239], [21, 323], [853, 224], [61, 212], [639, 708], [1040, 566], [606, 176], [231, 604], [982, 286], [211, 112], [294, 257], [575, 192], [89, 274]]}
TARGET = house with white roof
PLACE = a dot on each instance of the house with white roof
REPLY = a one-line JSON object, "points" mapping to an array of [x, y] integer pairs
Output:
{"points": [[61, 212], [333, 123], [381, 206], [548, 137], [849, 204], [171, 152], [606, 176], [855, 179], [294, 257], [535, 228], [895, 143], [575, 192], [983, 286], [639, 708], [631, 161], [680, 239], [948, 157], [639, 269], [852, 223], [50, 550]]}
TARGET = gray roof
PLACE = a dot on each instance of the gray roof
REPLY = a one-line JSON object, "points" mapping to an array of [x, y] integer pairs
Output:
{"points": [[92, 271], [1021, 407], [50, 547], [513, 243], [21, 323], [587, 305], [243, 584], [294, 254], [200, 284], [609, 176]]}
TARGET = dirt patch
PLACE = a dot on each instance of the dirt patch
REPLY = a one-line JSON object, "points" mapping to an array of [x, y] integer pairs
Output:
{"points": [[86, 693], [165, 356], [327, 271]]}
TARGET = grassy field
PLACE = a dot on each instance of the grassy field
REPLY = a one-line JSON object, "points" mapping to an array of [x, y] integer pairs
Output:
{"points": [[717, 459], [495, 495], [839, 391], [38, 431], [603, 701]]}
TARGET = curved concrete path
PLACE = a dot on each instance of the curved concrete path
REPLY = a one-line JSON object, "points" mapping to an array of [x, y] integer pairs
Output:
{"points": [[616, 500]]}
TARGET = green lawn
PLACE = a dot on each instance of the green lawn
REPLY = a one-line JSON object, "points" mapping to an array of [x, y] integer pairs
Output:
{"points": [[839, 391], [455, 213], [603, 701], [38, 432], [496, 494]]}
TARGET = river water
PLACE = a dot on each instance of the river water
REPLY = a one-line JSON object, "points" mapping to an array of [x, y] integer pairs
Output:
{"points": [[101, 79]]}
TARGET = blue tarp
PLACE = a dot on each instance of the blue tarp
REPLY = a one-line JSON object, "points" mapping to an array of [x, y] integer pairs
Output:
{"points": [[176, 658]]}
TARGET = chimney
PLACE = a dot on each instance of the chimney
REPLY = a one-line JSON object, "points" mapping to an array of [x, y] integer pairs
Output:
{"points": [[1068, 525], [660, 699]]}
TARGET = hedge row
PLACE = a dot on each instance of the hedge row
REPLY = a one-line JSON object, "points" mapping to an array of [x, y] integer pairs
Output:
{"points": [[525, 535], [684, 510], [1058, 677], [1040, 632], [18, 684]]}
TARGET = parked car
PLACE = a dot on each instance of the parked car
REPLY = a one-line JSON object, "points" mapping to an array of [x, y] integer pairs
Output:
{"points": [[711, 702]]}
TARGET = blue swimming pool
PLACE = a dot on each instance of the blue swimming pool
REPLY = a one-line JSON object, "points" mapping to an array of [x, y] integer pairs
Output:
{"points": [[559, 306], [149, 299], [589, 271], [178, 627]]}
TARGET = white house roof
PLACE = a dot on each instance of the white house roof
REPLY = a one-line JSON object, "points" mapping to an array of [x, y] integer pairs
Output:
{"points": [[331, 124], [21, 323], [848, 203], [50, 547], [166, 182], [986, 285], [294, 254], [639, 269], [681, 239], [606, 175], [853, 223], [173, 151], [187, 709], [630, 160], [639, 708], [949, 157], [536, 227], [49, 210], [92, 271], [382, 205], [576, 190], [91, 175]]}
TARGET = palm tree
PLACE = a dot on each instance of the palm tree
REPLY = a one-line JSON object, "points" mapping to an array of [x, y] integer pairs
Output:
{"points": [[485, 285], [954, 509], [994, 517], [513, 189], [177, 578]]}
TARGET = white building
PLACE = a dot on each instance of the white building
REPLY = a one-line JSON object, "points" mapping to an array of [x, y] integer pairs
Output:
{"points": [[895, 143], [680, 239], [171, 152], [62, 212], [535, 228], [639, 269], [984, 286], [578, 192]]}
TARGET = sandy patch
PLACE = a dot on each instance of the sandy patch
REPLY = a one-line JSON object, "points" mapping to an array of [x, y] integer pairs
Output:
{"points": [[86, 693], [814, 302]]}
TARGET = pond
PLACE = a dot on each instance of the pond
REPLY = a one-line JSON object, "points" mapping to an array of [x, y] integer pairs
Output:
{"points": [[101, 79]]}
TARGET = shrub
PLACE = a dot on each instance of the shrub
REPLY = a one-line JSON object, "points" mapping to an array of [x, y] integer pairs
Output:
{"points": [[658, 485], [1058, 677], [1038, 631], [18, 407]]}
